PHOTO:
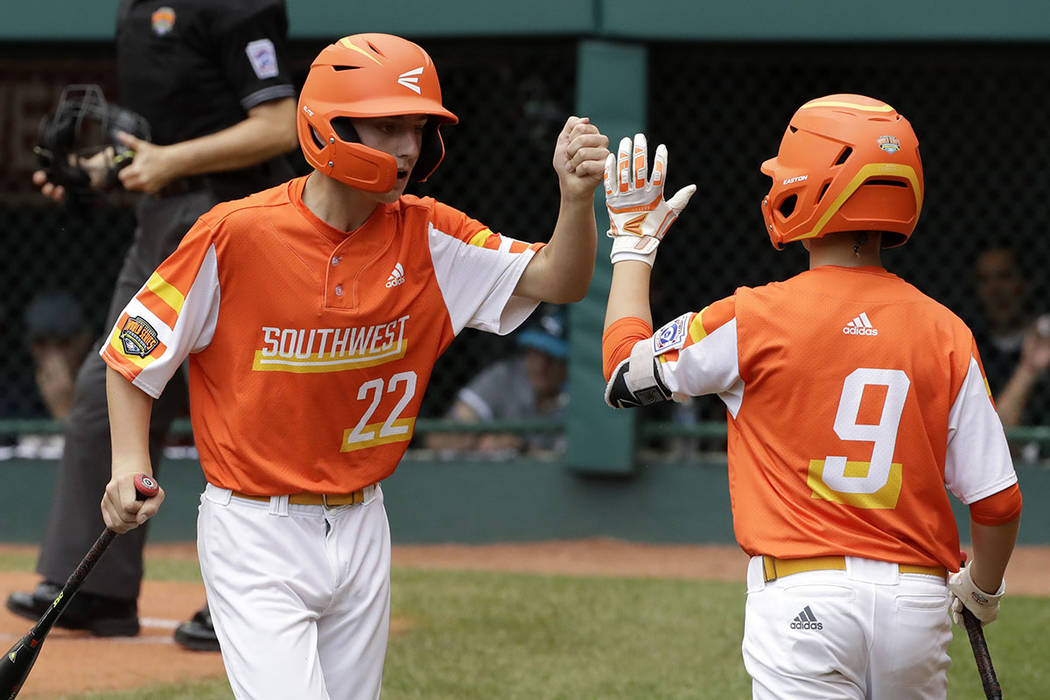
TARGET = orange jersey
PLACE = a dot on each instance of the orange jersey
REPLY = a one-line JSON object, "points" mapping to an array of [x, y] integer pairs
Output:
{"points": [[310, 348], [853, 399]]}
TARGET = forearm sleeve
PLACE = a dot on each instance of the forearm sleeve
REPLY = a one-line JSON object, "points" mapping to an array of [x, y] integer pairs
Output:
{"points": [[619, 338], [997, 509]]}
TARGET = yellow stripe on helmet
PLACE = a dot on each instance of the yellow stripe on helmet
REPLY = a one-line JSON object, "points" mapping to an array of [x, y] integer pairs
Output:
{"points": [[867, 172], [345, 41], [851, 105]]}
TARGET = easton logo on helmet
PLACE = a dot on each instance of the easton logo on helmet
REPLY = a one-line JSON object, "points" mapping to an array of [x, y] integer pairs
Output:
{"points": [[410, 79]]}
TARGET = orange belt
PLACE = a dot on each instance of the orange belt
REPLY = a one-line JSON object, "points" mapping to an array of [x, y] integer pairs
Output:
{"points": [[774, 568], [315, 499]]}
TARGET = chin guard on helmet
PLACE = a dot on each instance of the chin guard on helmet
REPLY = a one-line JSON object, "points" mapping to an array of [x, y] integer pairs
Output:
{"points": [[366, 76], [84, 125]]}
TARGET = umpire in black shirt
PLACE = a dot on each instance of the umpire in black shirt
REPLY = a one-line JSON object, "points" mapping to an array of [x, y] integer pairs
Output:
{"points": [[212, 79]]}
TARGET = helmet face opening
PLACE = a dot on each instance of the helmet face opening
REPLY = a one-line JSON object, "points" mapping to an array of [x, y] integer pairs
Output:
{"points": [[846, 163], [344, 129], [363, 76], [787, 206]]}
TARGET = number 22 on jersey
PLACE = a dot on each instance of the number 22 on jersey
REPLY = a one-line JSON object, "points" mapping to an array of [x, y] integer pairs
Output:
{"points": [[392, 429], [875, 483]]}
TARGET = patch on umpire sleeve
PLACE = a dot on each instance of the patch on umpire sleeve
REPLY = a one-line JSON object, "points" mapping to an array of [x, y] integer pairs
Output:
{"points": [[263, 57], [138, 337], [671, 336]]}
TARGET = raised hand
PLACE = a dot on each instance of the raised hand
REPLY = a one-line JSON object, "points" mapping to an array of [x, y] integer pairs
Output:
{"points": [[638, 215], [579, 157]]}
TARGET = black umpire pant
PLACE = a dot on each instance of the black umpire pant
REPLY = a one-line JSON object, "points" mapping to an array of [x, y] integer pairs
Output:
{"points": [[75, 520]]}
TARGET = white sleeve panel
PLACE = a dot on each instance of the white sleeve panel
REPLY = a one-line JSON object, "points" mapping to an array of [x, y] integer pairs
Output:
{"points": [[709, 366], [977, 463], [193, 331], [478, 283]]}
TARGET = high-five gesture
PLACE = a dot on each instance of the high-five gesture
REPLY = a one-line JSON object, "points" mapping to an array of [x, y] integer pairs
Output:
{"points": [[578, 157], [638, 215]]}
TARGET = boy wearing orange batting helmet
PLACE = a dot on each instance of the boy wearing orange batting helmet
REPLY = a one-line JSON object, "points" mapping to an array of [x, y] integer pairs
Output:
{"points": [[853, 400], [312, 315]]}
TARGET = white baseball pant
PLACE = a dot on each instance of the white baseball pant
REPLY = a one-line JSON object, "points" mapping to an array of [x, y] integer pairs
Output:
{"points": [[866, 632], [299, 594]]}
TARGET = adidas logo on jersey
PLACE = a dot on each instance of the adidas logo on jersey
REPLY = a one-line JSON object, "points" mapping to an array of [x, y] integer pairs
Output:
{"points": [[806, 620], [397, 276], [860, 326]]}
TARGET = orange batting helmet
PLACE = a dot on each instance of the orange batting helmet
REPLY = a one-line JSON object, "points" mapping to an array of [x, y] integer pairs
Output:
{"points": [[368, 75], [846, 163]]}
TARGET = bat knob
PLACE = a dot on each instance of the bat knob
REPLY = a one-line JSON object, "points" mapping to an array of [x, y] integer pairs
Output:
{"points": [[145, 487]]}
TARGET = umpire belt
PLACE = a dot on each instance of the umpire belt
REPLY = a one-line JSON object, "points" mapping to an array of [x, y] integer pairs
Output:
{"points": [[773, 568], [328, 500]]}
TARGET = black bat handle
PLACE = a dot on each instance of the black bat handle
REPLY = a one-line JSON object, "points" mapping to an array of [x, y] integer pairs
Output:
{"points": [[145, 487], [20, 658], [981, 655]]}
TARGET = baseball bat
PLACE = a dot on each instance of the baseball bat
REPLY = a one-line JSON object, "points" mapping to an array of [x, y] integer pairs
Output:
{"points": [[981, 655], [19, 659]]}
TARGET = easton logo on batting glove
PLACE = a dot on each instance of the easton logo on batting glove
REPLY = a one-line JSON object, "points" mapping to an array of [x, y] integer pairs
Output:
{"points": [[638, 215]]}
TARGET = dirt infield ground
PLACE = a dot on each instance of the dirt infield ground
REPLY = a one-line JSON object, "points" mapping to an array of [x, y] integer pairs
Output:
{"points": [[76, 660]]}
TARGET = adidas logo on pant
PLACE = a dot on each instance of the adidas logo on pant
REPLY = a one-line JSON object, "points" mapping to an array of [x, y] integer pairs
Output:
{"points": [[806, 620]]}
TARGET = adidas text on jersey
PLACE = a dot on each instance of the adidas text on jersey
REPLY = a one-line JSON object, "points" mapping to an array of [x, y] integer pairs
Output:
{"points": [[860, 326]]}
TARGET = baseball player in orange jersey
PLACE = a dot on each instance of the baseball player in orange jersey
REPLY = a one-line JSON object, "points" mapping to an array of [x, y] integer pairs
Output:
{"points": [[312, 314], [853, 399]]}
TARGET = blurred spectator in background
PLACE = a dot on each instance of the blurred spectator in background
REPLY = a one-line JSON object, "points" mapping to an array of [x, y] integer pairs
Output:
{"points": [[527, 385], [1013, 342], [59, 337]]}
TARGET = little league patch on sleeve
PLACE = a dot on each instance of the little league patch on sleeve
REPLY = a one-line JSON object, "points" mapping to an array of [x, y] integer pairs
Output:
{"points": [[138, 337], [263, 57], [671, 336]]}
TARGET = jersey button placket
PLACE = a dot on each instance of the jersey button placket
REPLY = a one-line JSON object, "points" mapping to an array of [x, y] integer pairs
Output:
{"points": [[335, 282]]}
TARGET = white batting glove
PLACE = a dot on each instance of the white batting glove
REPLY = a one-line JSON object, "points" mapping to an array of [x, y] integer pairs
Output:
{"points": [[985, 606], [638, 215]]}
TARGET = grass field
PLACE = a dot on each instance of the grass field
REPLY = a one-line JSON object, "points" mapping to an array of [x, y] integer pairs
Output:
{"points": [[490, 635]]}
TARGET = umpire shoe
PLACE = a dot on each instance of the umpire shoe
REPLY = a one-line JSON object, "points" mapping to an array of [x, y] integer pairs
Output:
{"points": [[198, 634], [101, 615]]}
